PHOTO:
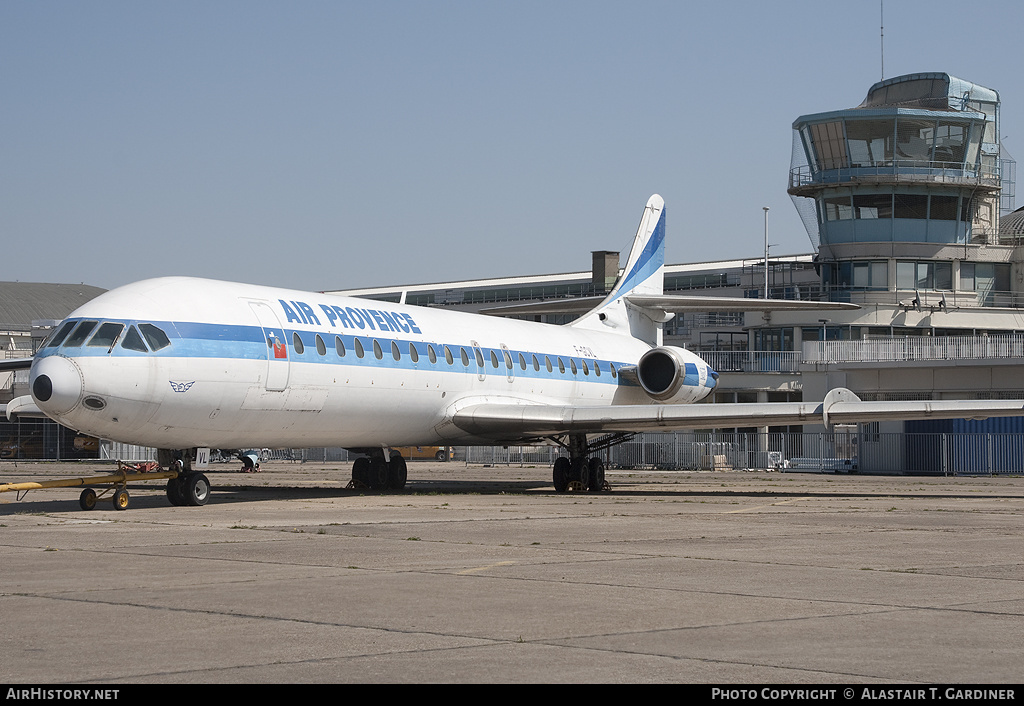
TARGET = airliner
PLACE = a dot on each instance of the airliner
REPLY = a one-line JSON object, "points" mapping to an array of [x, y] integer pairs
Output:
{"points": [[181, 364]]}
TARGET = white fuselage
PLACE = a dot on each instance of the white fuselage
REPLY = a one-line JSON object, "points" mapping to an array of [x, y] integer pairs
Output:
{"points": [[250, 366]]}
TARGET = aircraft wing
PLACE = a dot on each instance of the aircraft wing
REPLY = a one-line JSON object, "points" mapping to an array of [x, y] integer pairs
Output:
{"points": [[510, 421], [669, 303], [15, 364]]}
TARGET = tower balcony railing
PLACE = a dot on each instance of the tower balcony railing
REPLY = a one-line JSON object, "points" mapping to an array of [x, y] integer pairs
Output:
{"points": [[807, 178], [752, 361], [894, 349]]}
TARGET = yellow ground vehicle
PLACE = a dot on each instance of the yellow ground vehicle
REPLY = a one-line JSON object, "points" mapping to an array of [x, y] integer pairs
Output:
{"points": [[437, 453]]}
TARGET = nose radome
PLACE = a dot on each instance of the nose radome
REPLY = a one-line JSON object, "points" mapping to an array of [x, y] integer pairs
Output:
{"points": [[56, 384]]}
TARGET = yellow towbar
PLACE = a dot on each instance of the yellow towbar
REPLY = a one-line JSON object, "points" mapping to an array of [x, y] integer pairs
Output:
{"points": [[117, 481]]}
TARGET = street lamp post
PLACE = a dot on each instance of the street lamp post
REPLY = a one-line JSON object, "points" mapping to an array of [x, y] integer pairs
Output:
{"points": [[765, 252]]}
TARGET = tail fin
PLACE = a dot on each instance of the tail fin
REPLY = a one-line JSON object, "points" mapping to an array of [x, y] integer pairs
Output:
{"points": [[644, 274]]}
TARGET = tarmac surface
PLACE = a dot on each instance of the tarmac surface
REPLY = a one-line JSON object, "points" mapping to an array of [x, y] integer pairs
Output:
{"points": [[486, 575]]}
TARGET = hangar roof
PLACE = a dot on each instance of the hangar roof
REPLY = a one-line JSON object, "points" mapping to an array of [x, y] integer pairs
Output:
{"points": [[21, 303]]}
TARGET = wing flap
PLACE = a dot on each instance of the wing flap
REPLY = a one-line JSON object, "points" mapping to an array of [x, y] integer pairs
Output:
{"points": [[516, 421]]}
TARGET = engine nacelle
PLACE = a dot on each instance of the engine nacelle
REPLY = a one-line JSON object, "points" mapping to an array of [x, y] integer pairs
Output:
{"points": [[661, 372]]}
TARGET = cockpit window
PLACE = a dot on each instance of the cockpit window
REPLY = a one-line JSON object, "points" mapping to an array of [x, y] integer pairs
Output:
{"points": [[106, 335], [81, 333], [133, 341], [60, 334], [154, 336]]}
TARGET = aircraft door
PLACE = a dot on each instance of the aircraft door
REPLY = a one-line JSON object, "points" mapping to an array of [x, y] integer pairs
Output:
{"points": [[277, 346]]}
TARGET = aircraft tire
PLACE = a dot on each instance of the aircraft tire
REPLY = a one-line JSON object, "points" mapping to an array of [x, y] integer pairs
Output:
{"points": [[361, 471], [87, 500], [561, 474], [121, 499], [580, 471], [378, 473], [596, 468], [174, 493], [398, 473], [195, 489]]}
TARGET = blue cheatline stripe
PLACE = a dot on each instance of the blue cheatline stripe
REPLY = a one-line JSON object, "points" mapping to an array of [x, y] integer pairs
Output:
{"points": [[200, 340]]}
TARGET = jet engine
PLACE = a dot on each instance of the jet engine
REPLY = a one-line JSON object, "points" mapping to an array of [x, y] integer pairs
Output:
{"points": [[661, 371]]}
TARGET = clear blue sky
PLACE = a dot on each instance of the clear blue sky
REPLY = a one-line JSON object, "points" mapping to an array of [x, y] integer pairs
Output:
{"points": [[328, 145]]}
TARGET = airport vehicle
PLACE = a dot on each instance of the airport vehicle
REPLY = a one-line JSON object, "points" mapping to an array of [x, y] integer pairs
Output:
{"points": [[435, 453], [182, 364]]}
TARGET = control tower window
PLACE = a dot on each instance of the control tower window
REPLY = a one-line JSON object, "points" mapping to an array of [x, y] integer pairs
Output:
{"points": [[911, 206], [872, 205], [871, 142], [829, 144], [838, 208], [914, 139]]}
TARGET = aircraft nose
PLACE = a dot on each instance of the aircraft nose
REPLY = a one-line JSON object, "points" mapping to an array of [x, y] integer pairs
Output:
{"points": [[712, 379], [56, 384]]}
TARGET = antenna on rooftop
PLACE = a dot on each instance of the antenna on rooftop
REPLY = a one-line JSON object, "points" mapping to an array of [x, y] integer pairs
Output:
{"points": [[881, 11]]}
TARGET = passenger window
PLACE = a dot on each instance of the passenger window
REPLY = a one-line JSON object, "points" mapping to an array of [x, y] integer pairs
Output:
{"points": [[586, 368], [297, 342], [395, 353], [597, 369], [612, 366], [494, 359], [522, 361], [536, 364], [106, 335], [431, 353], [81, 333], [321, 349], [339, 346], [133, 341], [561, 366], [572, 365], [378, 352], [508, 360], [413, 353], [479, 358], [359, 348], [547, 363], [448, 356], [154, 336], [465, 358], [59, 335]]}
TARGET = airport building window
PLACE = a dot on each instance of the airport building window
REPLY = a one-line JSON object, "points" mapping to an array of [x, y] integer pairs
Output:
{"points": [[133, 341], [321, 349], [339, 346], [924, 275], [81, 333], [154, 336], [106, 335], [297, 343]]}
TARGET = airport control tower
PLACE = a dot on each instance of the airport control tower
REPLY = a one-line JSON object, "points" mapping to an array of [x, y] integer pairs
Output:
{"points": [[902, 195]]}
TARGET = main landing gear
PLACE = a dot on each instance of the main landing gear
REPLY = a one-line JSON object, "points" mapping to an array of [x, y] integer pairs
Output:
{"points": [[582, 471], [189, 488], [377, 472]]}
